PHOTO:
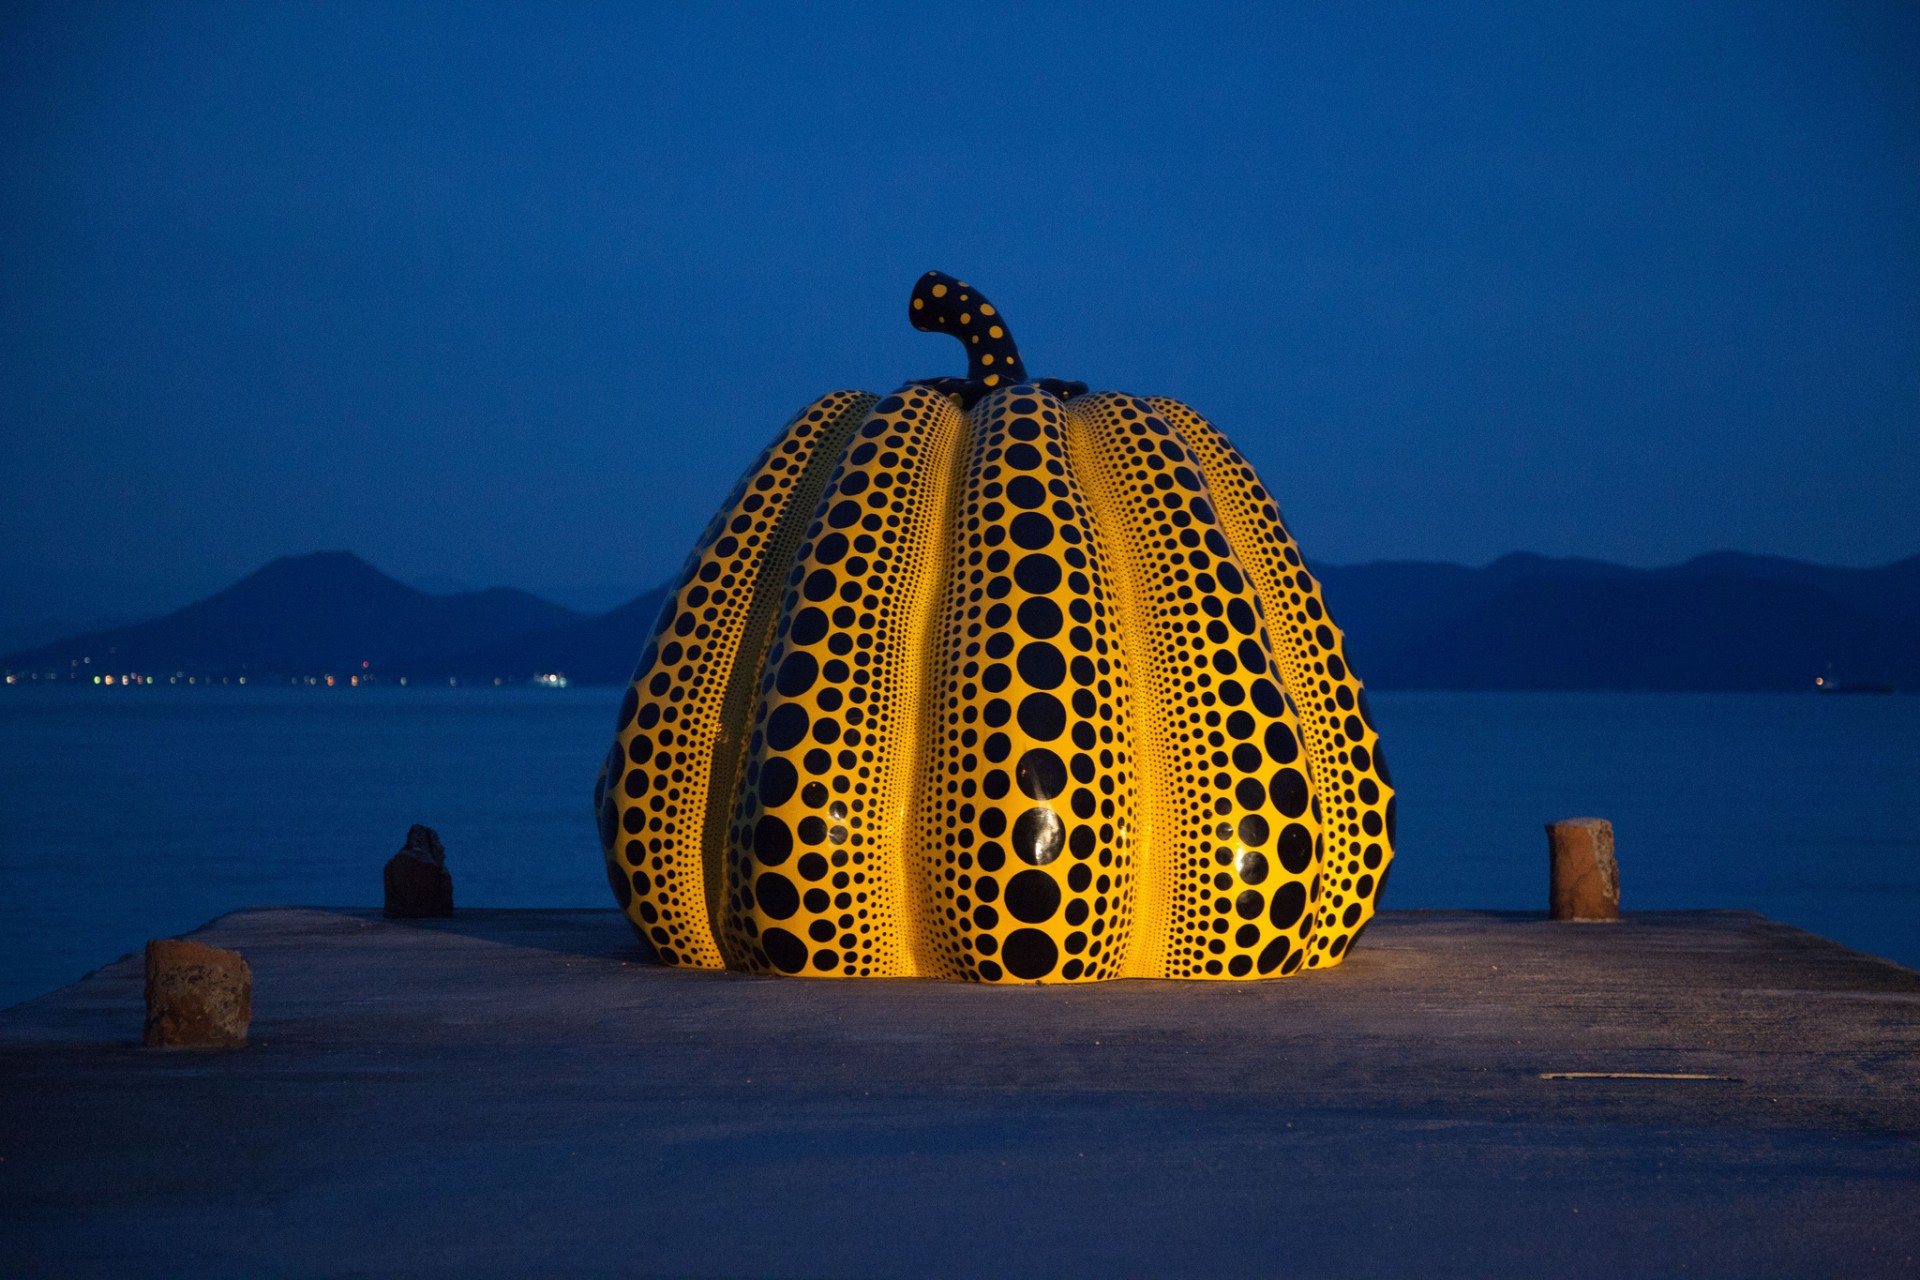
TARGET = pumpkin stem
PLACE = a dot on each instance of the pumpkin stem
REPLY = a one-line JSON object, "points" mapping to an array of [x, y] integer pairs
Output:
{"points": [[942, 304]]}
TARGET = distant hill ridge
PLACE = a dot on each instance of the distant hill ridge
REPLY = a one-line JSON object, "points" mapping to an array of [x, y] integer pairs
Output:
{"points": [[1725, 621]]}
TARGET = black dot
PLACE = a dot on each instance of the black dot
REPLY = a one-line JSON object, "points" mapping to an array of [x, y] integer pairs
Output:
{"points": [[989, 971], [1280, 743], [1040, 774], [1253, 830], [798, 673], [1248, 904], [1361, 760], [1268, 698], [1040, 618], [1289, 900], [1241, 616], [812, 829], [1253, 867], [1289, 791], [1295, 848], [787, 952], [1032, 896], [809, 626], [776, 895], [772, 841], [778, 778], [1240, 724], [1042, 667], [1274, 952], [831, 548], [1028, 953], [1250, 793], [1031, 530], [812, 866], [1041, 715], [1025, 491], [1247, 759], [1252, 656], [786, 726], [820, 584], [1037, 573], [1037, 836], [1023, 457]]}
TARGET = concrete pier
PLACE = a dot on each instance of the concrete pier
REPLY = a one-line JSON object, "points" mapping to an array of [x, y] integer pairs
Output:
{"points": [[517, 1092]]}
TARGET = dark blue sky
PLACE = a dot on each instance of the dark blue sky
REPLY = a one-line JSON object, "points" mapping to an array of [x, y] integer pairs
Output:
{"points": [[512, 299]]}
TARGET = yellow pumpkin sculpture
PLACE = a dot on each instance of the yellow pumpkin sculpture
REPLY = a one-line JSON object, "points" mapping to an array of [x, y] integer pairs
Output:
{"points": [[996, 679]]}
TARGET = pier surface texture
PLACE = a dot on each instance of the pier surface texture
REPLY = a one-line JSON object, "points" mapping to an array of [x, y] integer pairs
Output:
{"points": [[522, 1093]]}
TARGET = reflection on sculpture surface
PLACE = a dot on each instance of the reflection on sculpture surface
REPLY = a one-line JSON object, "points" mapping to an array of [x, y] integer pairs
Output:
{"points": [[994, 678]]}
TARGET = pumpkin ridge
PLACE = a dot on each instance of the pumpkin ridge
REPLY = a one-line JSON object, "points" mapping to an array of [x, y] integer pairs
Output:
{"points": [[1233, 843], [1351, 788], [816, 866], [1026, 851], [1095, 466], [671, 759], [918, 838], [730, 742]]}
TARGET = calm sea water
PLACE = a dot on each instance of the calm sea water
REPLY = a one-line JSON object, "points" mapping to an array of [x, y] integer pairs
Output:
{"points": [[127, 814]]}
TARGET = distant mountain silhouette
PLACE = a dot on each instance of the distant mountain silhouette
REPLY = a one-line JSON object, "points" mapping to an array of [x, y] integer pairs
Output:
{"points": [[1725, 621], [308, 615]]}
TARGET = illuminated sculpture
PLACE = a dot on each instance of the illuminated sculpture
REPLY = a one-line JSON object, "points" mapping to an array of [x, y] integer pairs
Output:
{"points": [[996, 679]]}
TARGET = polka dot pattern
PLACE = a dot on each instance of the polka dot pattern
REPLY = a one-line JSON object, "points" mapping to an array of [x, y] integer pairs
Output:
{"points": [[817, 879], [1230, 834], [666, 787], [1026, 817], [1352, 790]]}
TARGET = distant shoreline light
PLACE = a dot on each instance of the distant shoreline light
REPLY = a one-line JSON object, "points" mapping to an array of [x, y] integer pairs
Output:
{"points": [[324, 680]]}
